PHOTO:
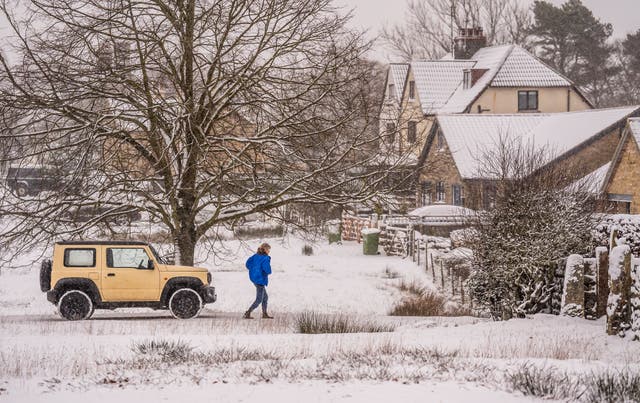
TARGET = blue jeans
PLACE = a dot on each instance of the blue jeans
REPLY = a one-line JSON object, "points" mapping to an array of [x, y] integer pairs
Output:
{"points": [[261, 298]]}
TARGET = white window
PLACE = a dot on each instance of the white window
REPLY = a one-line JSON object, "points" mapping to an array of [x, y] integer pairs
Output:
{"points": [[81, 257], [466, 79], [440, 192], [412, 90], [135, 258]]}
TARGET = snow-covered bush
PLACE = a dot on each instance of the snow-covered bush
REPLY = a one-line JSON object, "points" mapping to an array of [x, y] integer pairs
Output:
{"points": [[463, 237], [628, 227], [535, 221]]}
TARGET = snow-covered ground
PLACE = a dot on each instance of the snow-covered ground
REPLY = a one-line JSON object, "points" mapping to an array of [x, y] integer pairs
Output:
{"points": [[43, 358]]}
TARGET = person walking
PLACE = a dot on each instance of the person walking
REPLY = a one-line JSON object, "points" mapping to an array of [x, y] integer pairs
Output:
{"points": [[259, 266]]}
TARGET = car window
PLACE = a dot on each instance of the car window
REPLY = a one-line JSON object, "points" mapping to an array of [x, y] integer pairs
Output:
{"points": [[80, 257], [136, 258]]}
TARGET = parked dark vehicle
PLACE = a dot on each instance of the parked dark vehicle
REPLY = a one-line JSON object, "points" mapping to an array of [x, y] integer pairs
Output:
{"points": [[33, 179], [118, 216]]}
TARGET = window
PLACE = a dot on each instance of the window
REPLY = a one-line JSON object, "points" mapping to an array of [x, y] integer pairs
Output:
{"points": [[426, 193], [391, 132], [120, 258], [412, 90], [411, 132], [81, 257], [466, 79], [440, 193], [457, 195], [392, 91], [527, 100], [439, 141]]}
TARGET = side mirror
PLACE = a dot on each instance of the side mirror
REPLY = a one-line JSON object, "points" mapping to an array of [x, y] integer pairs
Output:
{"points": [[150, 265]]}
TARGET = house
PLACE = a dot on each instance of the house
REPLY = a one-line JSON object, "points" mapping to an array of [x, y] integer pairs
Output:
{"points": [[451, 163], [490, 80], [620, 188]]}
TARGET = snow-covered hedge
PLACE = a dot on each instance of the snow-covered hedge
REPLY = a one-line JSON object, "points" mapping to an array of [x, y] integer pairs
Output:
{"points": [[628, 227]]}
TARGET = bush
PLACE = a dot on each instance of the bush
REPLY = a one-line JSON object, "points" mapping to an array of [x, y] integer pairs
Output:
{"points": [[613, 387], [307, 250], [259, 231], [315, 323], [165, 350], [425, 304], [541, 382]]}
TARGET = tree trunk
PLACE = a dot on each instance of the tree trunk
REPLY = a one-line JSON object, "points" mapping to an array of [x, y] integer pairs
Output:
{"points": [[185, 245]]}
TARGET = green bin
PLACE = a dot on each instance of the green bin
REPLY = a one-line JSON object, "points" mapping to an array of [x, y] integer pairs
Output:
{"points": [[334, 232], [370, 241]]}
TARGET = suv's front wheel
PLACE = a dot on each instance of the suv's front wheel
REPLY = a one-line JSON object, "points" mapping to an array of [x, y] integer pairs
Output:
{"points": [[75, 305], [185, 303]]}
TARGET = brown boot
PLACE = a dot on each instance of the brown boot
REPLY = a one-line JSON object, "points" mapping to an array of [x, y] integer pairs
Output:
{"points": [[247, 315], [266, 316]]}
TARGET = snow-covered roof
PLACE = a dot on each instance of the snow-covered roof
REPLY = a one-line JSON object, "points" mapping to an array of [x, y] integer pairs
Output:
{"points": [[521, 68], [634, 127], [490, 59], [593, 182], [398, 76], [442, 210], [437, 80], [440, 83], [469, 136]]}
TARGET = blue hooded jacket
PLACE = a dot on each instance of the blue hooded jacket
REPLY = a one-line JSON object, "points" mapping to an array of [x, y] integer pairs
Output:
{"points": [[259, 268]]}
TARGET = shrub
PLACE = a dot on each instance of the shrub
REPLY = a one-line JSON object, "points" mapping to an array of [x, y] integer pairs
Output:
{"points": [[165, 350], [315, 323], [412, 288], [425, 304], [259, 231], [307, 250], [541, 382], [622, 386]]}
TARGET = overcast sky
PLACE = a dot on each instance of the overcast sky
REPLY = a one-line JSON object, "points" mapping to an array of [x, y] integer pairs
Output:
{"points": [[372, 15]]}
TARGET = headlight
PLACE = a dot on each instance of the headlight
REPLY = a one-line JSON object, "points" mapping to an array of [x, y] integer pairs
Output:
{"points": [[208, 277]]}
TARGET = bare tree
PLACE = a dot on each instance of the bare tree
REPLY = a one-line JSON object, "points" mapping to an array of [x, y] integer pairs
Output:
{"points": [[543, 211], [426, 31], [195, 112]]}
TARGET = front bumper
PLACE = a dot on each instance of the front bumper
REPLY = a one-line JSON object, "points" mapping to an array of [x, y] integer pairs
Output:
{"points": [[208, 294]]}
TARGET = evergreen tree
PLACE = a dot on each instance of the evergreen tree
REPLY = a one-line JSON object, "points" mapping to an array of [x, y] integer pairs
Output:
{"points": [[573, 41]]}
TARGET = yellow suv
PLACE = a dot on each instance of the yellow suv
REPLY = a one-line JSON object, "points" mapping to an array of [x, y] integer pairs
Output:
{"points": [[88, 275]]}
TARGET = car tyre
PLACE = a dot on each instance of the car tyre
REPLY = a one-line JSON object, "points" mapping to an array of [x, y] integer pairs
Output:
{"points": [[75, 305], [185, 303]]}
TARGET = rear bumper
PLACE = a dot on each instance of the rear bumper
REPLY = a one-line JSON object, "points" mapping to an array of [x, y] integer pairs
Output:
{"points": [[52, 296], [208, 294]]}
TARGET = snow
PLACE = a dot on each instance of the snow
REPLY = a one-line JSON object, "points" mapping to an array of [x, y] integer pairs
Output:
{"points": [[398, 76], [522, 69], [616, 260], [634, 126], [469, 136], [442, 210], [370, 231], [43, 358], [437, 80], [593, 182]]}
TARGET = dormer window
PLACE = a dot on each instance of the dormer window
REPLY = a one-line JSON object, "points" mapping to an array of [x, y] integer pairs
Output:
{"points": [[466, 79], [412, 90]]}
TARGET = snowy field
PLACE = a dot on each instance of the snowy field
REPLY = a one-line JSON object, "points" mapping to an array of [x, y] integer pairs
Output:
{"points": [[221, 357]]}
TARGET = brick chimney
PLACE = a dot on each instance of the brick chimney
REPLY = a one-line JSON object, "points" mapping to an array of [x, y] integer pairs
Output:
{"points": [[468, 42]]}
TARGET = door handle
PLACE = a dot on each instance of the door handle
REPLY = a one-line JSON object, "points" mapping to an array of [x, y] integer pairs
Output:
{"points": [[111, 274]]}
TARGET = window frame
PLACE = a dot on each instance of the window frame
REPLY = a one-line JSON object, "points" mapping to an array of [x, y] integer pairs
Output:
{"points": [[456, 190], [391, 90], [390, 129], [528, 107], [65, 260], [441, 192], [412, 90], [427, 196], [412, 131]]}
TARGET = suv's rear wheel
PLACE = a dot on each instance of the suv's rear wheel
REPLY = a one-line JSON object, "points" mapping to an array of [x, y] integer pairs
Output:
{"points": [[75, 305], [185, 303]]}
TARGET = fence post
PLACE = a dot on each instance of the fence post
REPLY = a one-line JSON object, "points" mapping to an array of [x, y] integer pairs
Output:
{"points": [[602, 280], [441, 274], [573, 290], [461, 290], [618, 312], [433, 268], [590, 289]]}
